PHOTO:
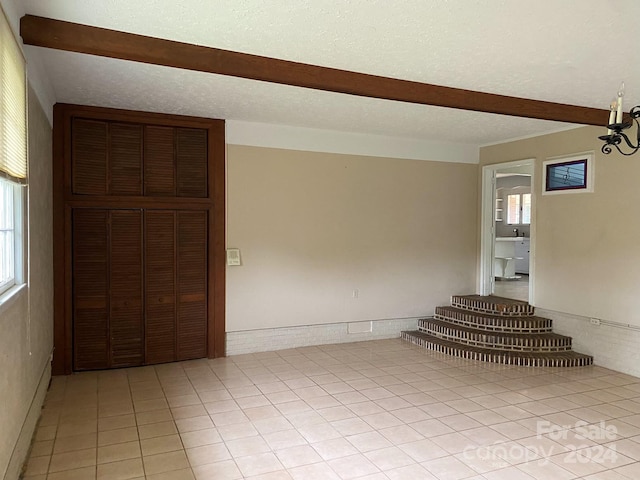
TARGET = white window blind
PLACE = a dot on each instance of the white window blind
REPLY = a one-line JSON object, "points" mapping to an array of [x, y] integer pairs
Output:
{"points": [[519, 209], [513, 209], [526, 208], [13, 112]]}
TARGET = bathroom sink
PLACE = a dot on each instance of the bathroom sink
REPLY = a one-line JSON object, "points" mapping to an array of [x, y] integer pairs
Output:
{"points": [[509, 239]]}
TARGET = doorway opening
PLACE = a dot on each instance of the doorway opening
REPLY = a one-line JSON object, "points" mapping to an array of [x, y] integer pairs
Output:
{"points": [[508, 230]]}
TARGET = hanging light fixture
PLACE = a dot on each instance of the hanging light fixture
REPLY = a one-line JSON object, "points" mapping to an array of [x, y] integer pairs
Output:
{"points": [[615, 134]]}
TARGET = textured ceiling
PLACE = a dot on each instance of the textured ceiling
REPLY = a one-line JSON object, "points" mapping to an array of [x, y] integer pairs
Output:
{"points": [[567, 51]]}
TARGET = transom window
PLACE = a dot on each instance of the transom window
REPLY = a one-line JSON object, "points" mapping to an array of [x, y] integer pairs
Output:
{"points": [[570, 174]]}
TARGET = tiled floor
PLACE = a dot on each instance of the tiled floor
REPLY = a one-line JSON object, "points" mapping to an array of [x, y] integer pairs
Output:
{"points": [[373, 410], [514, 289]]}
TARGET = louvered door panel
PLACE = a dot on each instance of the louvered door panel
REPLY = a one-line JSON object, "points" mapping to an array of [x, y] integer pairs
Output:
{"points": [[125, 159], [89, 157], [138, 189], [126, 303], [159, 161], [90, 289], [160, 269], [192, 285], [191, 162]]}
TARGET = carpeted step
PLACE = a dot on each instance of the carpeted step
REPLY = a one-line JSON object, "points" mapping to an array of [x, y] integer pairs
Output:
{"points": [[484, 321], [492, 305], [517, 342], [528, 359]]}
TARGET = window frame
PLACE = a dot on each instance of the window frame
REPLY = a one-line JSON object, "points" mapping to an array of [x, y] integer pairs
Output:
{"points": [[17, 275], [586, 159], [518, 208], [520, 211]]}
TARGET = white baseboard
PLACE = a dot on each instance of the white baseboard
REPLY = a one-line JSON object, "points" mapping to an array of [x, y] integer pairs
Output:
{"points": [[612, 345], [23, 444], [269, 339]]}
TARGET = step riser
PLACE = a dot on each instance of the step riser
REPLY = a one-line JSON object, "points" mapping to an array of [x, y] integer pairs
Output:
{"points": [[494, 341], [497, 357], [511, 309], [497, 330], [495, 324]]}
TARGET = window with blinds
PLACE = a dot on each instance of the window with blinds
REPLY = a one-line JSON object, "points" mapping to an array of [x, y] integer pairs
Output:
{"points": [[519, 209], [13, 153], [513, 209]]}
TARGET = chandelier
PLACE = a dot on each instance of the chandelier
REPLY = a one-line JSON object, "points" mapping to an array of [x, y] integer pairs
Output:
{"points": [[616, 126]]}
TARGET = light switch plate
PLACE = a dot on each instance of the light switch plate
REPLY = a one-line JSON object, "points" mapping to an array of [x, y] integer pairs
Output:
{"points": [[233, 256]]}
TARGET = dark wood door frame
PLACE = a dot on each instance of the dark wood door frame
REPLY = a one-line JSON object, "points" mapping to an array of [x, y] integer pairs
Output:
{"points": [[64, 202]]}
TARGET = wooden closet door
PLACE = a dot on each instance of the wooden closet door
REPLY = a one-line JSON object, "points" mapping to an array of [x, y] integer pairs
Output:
{"points": [[126, 323], [107, 158], [90, 289], [160, 281], [107, 293], [139, 259], [191, 162], [159, 161], [89, 160], [176, 285], [191, 317], [125, 159]]}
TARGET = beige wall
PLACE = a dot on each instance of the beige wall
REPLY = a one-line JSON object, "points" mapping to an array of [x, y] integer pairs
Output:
{"points": [[26, 320], [587, 245], [312, 227]]}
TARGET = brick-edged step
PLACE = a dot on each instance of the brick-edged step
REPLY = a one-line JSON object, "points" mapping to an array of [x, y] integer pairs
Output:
{"points": [[528, 359], [483, 321], [492, 305], [519, 342]]}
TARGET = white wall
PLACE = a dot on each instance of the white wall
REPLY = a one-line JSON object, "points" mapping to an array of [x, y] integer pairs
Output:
{"points": [[256, 134], [26, 319], [313, 227], [587, 261]]}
